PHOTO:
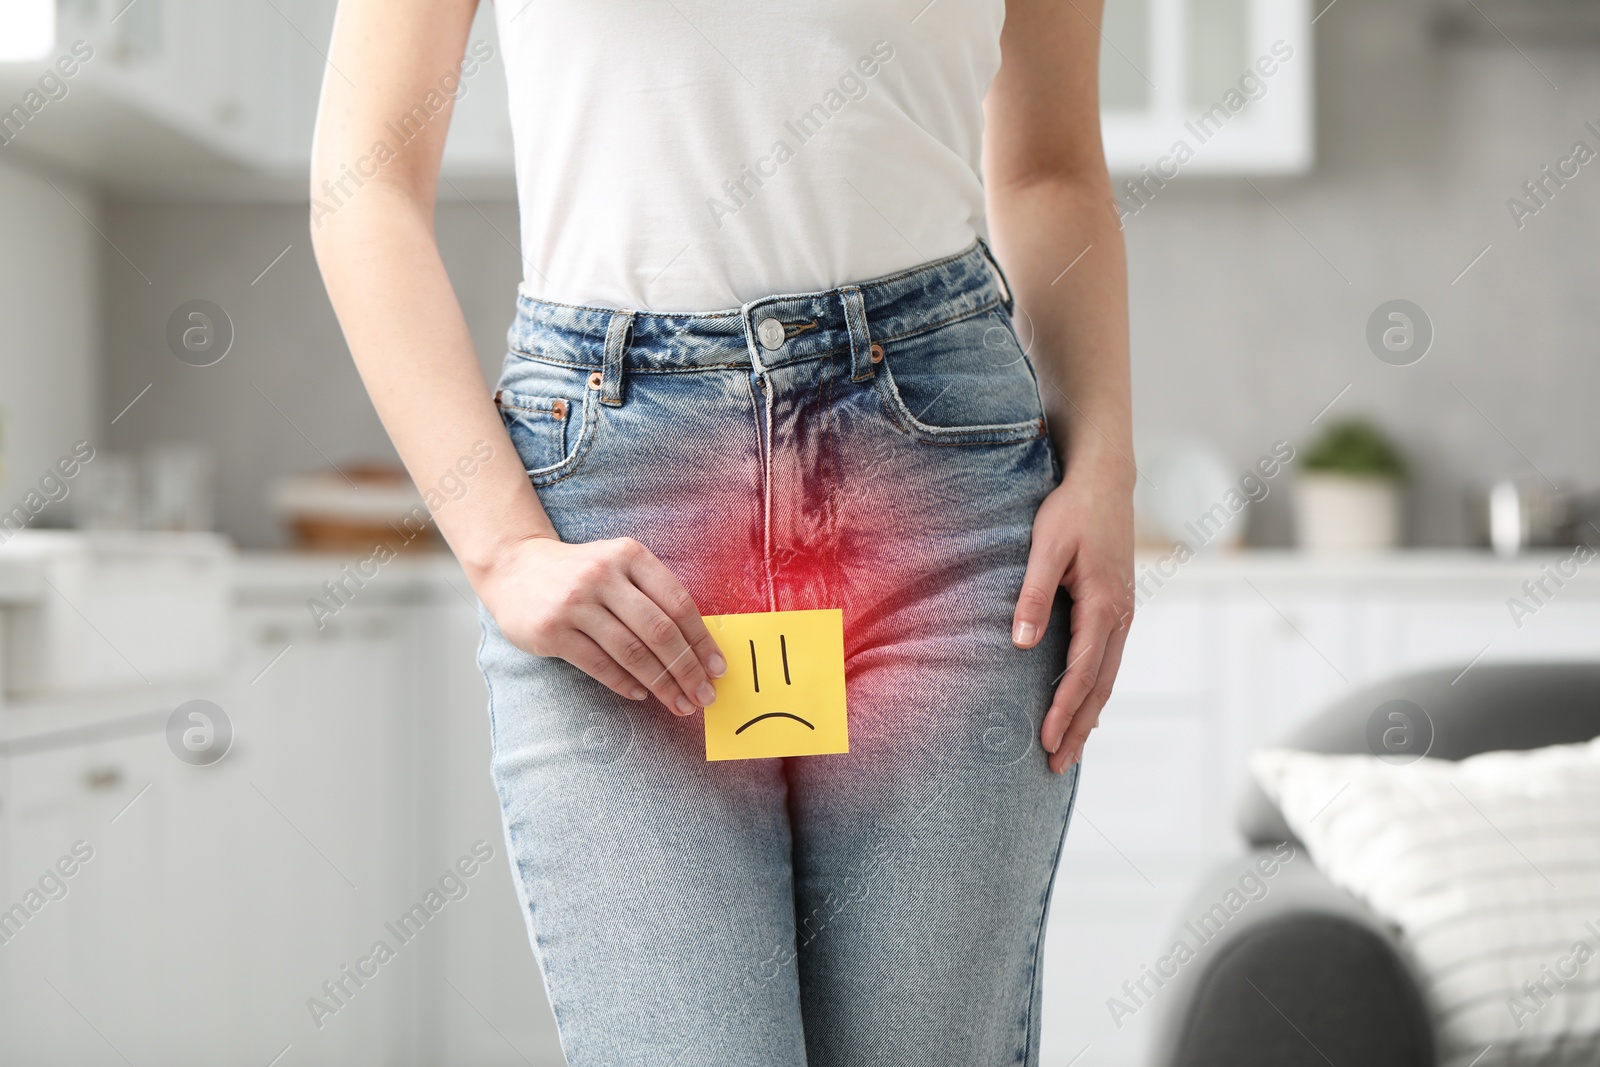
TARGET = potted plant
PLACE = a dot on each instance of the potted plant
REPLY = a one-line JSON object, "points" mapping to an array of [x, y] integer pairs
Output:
{"points": [[1350, 494]]}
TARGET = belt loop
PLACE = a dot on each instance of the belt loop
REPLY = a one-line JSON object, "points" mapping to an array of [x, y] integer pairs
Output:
{"points": [[617, 333], [855, 320], [1006, 298]]}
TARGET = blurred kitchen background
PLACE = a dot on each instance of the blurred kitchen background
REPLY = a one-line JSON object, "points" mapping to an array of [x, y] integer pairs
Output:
{"points": [[1364, 336]]}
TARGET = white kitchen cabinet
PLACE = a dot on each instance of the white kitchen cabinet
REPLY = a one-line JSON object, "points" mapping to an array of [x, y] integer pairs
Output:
{"points": [[324, 788], [1229, 80], [96, 955], [195, 98], [224, 896], [482, 999], [382, 742], [115, 612], [179, 90]]}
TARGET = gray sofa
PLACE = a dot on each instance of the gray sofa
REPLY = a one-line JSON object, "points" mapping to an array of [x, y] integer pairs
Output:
{"points": [[1306, 974]]}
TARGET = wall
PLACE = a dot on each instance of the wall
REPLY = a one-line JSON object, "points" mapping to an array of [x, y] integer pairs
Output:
{"points": [[1250, 306], [286, 397], [50, 258], [1249, 302]]}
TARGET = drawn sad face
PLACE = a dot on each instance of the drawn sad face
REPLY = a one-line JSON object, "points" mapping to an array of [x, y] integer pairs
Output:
{"points": [[784, 692], [755, 677]]}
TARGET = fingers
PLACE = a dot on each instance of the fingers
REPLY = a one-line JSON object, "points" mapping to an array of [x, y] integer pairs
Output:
{"points": [[614, 611], [1039, 585], [662, 586], [624, 645], [1087, 717], [667, 644], [582, 652], [1094, 622], [1085, 651]]}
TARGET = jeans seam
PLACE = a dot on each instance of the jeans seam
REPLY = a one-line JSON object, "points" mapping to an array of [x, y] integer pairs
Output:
{"points": [[761, 412], [1044, 916], [959, 316], [588, 430], [719, 313], [833, 581], [1002, 433], [519, 882]]}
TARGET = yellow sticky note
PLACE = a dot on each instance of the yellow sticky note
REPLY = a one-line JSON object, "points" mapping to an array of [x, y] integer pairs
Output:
{"points": [[783, 694]]}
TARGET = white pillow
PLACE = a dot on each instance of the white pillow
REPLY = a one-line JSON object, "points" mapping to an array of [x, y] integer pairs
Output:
{"points": [[1488, 869]]}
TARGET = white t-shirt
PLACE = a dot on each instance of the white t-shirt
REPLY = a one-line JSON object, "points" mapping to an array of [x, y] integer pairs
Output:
{"points": [[692, 155]]}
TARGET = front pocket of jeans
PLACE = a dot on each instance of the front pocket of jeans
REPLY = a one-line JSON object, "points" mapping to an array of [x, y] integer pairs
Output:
{"points": [[551, 434], [967, 382]]}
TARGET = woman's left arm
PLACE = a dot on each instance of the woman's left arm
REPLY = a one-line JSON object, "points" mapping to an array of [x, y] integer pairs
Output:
{"points": [[1054, 226]]}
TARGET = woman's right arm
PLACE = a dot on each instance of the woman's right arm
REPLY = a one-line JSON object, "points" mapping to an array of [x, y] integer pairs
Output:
{"points": [[608, 607]]}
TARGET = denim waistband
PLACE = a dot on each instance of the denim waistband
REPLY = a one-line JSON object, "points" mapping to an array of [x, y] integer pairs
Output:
{"points": [[849, 319]]}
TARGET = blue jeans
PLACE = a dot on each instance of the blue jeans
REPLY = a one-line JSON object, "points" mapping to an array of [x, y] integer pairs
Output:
{"points": [[880, 449]]}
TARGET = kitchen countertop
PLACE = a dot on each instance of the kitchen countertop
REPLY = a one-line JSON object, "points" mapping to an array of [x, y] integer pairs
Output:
{"points": [[21, 581], [276, 575], [1410, 563]]}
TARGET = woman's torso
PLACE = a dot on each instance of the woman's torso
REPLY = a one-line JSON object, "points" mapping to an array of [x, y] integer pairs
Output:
{"points": [[678, 155]]}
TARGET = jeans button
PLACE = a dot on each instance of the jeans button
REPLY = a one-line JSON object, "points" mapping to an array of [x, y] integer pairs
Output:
{"points": [[770, 333]]}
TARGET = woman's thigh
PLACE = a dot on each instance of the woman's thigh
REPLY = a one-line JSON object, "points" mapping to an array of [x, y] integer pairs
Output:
{"points": [[654, 883], [924, 858], [923, 866]]}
